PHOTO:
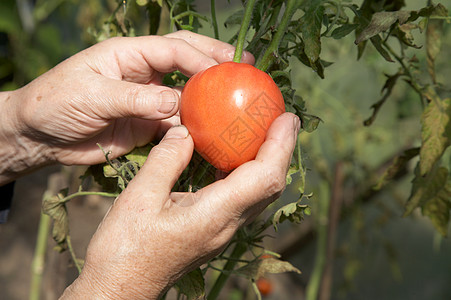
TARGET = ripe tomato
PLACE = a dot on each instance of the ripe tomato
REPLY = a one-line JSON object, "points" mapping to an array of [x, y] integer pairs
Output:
{"points": [[264, 286], [227, 109]]}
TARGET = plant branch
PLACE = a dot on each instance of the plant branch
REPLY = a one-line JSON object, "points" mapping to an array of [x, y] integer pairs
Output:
{"points": [[243, 30], [407, 72], [271, 52], [85, 193], [72, 254], [238, 251]]}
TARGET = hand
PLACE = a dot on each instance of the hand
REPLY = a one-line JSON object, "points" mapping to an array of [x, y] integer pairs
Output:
{"points": [[151, 237], [110, 94]]}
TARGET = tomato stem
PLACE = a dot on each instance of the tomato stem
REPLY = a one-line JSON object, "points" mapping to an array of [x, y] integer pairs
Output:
{"points": [[237, 252], [213, 18], [243, 30], [271, 52], [37, 266]]}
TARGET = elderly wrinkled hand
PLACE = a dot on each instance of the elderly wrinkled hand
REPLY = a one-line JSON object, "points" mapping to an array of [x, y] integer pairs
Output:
{"points": [[110, 93], [152, 236]]}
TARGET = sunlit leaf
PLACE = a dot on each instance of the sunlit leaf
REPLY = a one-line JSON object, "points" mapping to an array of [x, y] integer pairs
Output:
{"points": [[258, 268], [435, 132], [381, 21], [438, 209]]}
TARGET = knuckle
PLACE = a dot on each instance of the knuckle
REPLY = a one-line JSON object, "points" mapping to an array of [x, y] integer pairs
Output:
{"points": [[276, 180], [135, 101]]}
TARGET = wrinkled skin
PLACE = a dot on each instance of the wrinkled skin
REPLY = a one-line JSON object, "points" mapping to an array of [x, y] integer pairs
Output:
{"points": [[110, 94]]}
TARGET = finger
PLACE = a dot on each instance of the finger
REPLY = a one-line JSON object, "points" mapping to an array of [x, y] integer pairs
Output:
{"points": [[258, 182], [119, 99], [141, 56], [165, 163], [219, 50]]}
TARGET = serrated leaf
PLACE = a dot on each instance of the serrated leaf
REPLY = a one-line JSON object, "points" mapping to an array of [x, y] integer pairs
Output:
{"points": [[435, 133], [294, 212], [398, 164], [192, 285], [434, 38], [425, 188], [381, 21], [310, 123], [260, 267], [291, 171], [57, 210], [438, 209], [311, 30], [139, 154]]}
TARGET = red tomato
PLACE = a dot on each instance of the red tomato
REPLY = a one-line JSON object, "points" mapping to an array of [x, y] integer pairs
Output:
{"points": [[227, 109], [264, 286]]}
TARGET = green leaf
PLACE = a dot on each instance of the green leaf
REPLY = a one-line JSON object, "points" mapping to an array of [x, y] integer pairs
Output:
{"points": [[311, 30], [108, 183], [234, 19], [343, 30], [259, 267], [192, 285], [438, 209], [426, 188], [293, 170], [9, 19], [377, 43], [139, 154], [435, 133], [294, 212]]}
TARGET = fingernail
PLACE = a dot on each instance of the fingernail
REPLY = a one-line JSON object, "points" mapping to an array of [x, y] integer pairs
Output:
{"points": [[297, 123], [168, 100], [177, 132]]}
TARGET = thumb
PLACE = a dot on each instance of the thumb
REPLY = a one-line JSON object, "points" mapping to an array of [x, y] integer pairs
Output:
{"points": [[121, 99], [166, 162]]}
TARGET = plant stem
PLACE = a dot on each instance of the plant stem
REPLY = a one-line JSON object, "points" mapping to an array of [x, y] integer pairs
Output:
{"points": [[243, 30], [314, 283], [72, 254], [213, 18], [270, 54], [80, 193], [238, 251], [37, 266]]}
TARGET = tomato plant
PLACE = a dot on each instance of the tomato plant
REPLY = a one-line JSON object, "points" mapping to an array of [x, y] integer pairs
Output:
{"points": [[228, 108], [278, 33]]}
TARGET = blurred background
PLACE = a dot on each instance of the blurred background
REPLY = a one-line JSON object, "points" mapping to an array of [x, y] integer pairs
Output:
{"points": [[377, 255]]}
